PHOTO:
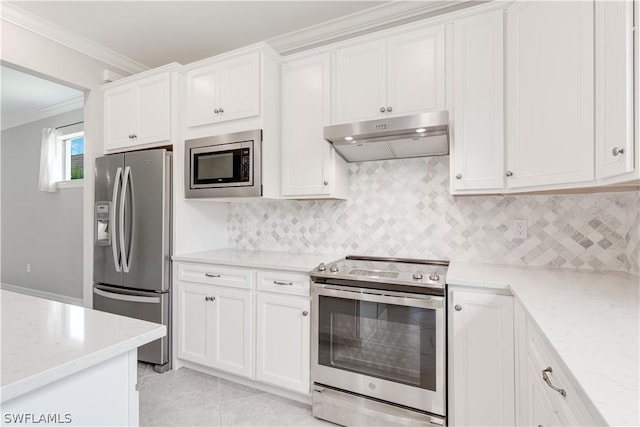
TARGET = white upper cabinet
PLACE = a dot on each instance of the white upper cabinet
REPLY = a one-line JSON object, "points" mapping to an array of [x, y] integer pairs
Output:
{"points": [[399, 75], [310, 166], [550, 96], [614, 88], [223, 91], [137, 113], [477, 118]]}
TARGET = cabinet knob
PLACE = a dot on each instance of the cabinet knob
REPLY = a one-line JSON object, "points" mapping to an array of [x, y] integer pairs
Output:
{"points": [[220, 110], [326, 182], [382, 109], [209, 298], [305, 313], [458, 307], [459, 176], [617, 151], [216, 111], [508, 174], [389, 109]]}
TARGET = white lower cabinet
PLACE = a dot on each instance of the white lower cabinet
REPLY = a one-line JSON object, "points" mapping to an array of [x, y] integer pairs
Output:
{"points": [[481, 359], [215, 327], [220, 327], [547, 394], [283, 341]]}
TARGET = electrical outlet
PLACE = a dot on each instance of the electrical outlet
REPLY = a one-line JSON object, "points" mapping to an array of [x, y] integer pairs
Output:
{"points": [[519, 229], [28, 268]]}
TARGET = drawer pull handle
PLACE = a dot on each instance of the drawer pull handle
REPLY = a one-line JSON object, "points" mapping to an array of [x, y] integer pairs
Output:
{"points": [[211, 275], [277, 282], [546, 379]]}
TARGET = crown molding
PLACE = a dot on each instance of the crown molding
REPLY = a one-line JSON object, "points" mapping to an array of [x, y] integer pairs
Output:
{"points": [[35, 24], [43, 112], [377, 18]]}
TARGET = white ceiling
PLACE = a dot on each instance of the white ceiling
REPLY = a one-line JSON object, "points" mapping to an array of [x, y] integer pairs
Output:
{"points": [[154, 33], [26, 98], [149, 33]]}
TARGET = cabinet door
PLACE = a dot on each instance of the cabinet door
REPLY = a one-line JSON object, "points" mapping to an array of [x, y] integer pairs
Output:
{"points": [[194, 322], [477, 114], [232, 332], [614, 88], [415, 72], [540, 409], [240, 88], [283, 341], [550, 82], [482, 359], [203, 95], [305, 111], [360, 82], [119, 116], [154, 109]]}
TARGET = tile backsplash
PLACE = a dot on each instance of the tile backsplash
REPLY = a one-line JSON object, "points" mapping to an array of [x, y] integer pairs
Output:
{"points": [[403, 208]]}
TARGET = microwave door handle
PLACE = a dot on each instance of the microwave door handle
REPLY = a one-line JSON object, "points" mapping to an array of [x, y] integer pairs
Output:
{"points": [[123, 200], [114, 214]]}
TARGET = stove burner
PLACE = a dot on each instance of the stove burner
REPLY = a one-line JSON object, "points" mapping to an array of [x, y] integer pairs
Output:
{"points": [[374, 273], [391, 274]]}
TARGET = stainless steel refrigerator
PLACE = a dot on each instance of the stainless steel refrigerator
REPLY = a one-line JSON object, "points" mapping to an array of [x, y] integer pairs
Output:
{"points": [[132, 244]]}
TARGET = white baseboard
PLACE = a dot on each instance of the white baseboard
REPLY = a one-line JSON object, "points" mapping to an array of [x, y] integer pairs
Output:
{"points": [[42, 294]]}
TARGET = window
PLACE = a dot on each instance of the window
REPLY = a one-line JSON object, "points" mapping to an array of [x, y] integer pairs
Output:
{"points": [[72, 155]]}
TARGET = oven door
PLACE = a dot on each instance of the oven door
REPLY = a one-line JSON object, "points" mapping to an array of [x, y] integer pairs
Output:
{"points": [[385, 345]]}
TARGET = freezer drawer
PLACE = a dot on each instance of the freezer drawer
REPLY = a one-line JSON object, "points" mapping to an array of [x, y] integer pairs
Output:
{"points": [[149, 306]]}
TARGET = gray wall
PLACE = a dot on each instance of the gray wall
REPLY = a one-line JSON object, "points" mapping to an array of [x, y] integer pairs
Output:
{"points": [[41, 229]]}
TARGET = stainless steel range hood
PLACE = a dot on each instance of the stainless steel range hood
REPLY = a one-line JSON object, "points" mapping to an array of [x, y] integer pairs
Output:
{"points": [[419, 135]]}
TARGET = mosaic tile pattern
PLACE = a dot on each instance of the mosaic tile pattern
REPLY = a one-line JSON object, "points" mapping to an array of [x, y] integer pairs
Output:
{"points": [[403, 208], [632, 237]]}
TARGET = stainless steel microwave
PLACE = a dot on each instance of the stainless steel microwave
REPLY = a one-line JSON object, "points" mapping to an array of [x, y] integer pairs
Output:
{"points": [[226, 165]]}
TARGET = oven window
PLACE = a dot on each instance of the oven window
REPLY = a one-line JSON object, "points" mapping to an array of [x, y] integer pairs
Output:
{"points": [[391, 342], [219, 167]]}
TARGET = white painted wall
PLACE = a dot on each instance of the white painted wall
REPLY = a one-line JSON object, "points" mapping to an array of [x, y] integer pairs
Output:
{"points": [[41, 229], [39, 55]]}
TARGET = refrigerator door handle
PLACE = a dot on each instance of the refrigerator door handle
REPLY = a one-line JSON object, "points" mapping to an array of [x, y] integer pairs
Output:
{"points": [[129, 298], [114, 201], [126, 257]]}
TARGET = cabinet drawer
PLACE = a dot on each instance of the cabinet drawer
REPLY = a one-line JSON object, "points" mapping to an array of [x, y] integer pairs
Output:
{"points": [[213, 274], [283, 282], [570, 407]]}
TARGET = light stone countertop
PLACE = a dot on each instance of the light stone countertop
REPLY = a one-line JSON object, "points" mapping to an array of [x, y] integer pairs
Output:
{"points": [[44, 341], [298, 262], [591, 319]]}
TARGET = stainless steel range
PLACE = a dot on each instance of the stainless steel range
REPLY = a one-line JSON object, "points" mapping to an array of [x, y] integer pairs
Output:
{"points": [[378, 341]]}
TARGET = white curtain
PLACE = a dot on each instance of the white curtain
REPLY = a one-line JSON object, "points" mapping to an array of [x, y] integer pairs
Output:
{"points": [[50, 161]]}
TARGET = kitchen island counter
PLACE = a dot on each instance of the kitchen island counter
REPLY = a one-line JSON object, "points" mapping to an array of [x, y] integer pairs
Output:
{"points": [[48, 344], [590, 319]]}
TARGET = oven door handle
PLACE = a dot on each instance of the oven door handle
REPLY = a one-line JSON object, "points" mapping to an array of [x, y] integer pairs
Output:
{"points": [[369, 295]]}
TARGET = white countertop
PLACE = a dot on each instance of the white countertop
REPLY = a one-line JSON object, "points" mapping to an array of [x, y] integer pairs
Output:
{"points": [[44, 341], [591, 320], [299, 262]]}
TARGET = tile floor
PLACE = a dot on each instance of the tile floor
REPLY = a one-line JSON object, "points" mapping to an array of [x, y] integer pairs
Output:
{"points": [[189, 398]]}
